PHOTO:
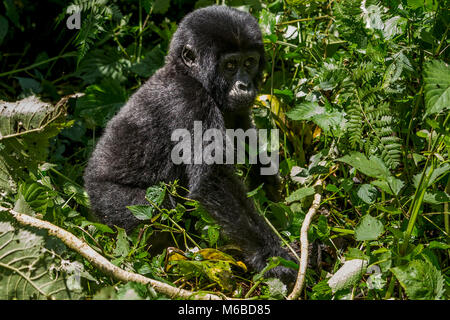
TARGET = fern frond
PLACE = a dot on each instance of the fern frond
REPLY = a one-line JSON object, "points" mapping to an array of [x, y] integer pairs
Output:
{"points": [[355, 122], [384, 140], [96, 13]]}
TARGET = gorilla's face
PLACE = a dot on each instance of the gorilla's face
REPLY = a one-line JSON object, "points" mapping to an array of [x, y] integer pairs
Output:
{"points": [[222, 48], [239, 71]]}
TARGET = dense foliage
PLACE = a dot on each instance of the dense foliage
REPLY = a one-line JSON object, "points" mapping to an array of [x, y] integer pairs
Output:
{"points": [[360, 91]]}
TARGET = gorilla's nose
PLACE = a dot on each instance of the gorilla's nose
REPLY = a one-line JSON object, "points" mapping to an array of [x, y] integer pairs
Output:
{"points": [[243, 86]]}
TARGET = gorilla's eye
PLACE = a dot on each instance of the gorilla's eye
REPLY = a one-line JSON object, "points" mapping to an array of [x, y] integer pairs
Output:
{"points": [[250, 62], [230, 66]]}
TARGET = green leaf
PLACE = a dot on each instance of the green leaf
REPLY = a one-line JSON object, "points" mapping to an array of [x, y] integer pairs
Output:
{"points": [[29, 263], [102, 64], [354, 253], [367, 193], [288, 94], [29, 86], [323, 230], [391, 185], [414, 4], [22, 206], [437, 86], [101, 102], [79, 194], [147, 5], [347, 184], [439, 245], [321, 291], [213, 234], [11, 13], [368, 229], [37, 197], [153, 60], [299, 194], [132, 291], [327, 121], [277, 289], [3, 28], [393, 26], [141, 212], [122, 246], [330, 121], [267, 22], [436, 197], [438, 173], [376, 281], [421, 280], [25, 129], [305, 111], [155, 194], [373, 168], [100, 226], [372, 17], [161, 6], [426, 4]]}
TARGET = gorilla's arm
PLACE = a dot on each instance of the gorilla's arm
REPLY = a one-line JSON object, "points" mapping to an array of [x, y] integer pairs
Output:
{"points": [[254, 178]]}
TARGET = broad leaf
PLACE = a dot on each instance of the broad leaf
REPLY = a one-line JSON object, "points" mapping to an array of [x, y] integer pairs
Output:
{"points": [[25, 129], [391, 185], [327, 121], [421, 280], [3, 28], [141, 212], [368, 229], [437, 86], [29, 267], [367, 193], [373, 167], [299, 194], [101, 102], [122, 246]]}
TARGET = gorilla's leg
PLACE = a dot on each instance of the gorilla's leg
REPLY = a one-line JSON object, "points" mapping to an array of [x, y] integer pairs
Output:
{"points": [[224, 197], [109, 201]]}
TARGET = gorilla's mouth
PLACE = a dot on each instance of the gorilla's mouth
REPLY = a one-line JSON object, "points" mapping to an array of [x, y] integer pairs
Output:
{"points": [[239, 101]]}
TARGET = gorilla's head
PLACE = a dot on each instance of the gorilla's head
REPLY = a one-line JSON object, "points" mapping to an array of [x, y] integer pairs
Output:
{"points": [[222, 48]]}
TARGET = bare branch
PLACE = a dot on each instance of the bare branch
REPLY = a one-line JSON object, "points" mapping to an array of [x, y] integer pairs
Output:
{"points": [[103, 264], [295, 294]]}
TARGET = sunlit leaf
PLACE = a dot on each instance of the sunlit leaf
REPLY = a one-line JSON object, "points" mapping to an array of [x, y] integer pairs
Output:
{"points": [[369, 228], [421, 280], [437, 86]]}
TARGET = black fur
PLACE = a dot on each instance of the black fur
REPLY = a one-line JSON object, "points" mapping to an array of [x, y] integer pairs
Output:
{"points": [[134, 151]]}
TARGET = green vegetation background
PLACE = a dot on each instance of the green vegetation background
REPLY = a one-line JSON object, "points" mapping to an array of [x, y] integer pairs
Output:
{"points": [[360, 91]]}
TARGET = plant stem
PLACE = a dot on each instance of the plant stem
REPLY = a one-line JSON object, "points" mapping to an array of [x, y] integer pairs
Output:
{"points": [[140, 33], [37, 64]]}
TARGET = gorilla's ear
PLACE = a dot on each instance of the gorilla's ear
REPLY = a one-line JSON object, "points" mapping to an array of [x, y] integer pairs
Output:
{"points": [[188, 55]]}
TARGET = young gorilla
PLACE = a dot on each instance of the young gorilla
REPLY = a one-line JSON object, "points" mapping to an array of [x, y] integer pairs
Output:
{"points": [[211, 74]]}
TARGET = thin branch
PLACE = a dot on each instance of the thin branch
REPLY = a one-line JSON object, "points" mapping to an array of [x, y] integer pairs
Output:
{"points": [[304, 19], [103, 264], [37, 64], [295, 294]]}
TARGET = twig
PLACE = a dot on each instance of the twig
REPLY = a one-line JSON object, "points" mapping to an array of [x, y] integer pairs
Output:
{"points": [[103, 264], [304, 19], [304, 244], [37, 64]]}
